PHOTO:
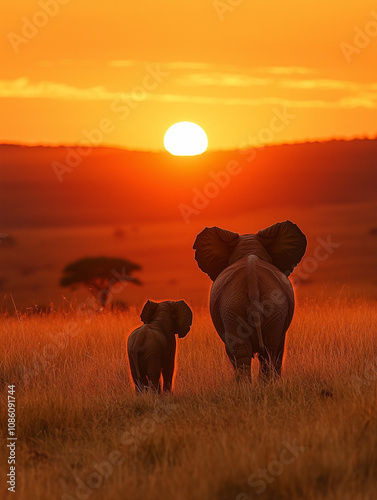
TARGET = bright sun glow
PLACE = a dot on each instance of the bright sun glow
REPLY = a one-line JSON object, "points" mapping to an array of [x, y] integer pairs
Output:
{"points": [[185, 139]]}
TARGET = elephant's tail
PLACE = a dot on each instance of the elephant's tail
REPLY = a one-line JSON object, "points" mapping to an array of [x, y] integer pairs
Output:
{"points": [[257, 322], [254, 310]]}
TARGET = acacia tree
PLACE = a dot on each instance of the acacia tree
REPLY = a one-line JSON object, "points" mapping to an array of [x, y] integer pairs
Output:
{"points": [[99, 274]]}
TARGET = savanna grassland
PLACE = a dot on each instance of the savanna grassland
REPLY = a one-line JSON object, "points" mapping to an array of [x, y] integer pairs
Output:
{"points": [[83, 433]]}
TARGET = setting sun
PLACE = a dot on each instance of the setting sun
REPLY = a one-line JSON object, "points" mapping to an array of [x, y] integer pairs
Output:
{"points": [[185, 139]]}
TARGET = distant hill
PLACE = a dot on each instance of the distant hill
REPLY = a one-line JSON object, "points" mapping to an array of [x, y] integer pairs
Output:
{"points": [[113, 186]]}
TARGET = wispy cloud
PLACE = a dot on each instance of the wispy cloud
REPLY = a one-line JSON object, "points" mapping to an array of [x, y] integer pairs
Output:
{"points": [[314, 84], [126, 63], [190, 65], [89, 63], [222, 80], [173, 65], [267, 70], [23, 88], [344, 103], [364, 96], [69, 63], [244, 80], [179, 65], [285, 70], [327, 84]]}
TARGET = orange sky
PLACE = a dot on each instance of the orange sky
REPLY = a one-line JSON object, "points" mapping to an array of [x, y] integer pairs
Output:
{"points": [[248, 72]]}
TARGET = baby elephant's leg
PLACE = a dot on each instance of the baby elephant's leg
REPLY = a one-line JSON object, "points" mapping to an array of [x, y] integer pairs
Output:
{"points": [[140, 379], [154, 374], [167, 376]]}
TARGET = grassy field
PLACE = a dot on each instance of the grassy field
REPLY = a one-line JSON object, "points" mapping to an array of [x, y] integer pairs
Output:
{"points": [[83, 433]]}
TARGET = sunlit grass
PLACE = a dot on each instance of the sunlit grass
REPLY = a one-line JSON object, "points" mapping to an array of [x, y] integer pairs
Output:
{"points": [[76, 409]]}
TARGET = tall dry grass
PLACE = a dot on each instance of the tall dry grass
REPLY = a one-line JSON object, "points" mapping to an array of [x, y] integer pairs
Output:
{"points": [[82, 433]]}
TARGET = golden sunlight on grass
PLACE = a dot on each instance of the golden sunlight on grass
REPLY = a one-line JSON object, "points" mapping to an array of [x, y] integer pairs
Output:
{"points": [[83, 430]]}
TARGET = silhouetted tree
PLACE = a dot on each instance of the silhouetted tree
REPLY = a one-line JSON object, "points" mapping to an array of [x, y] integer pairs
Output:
{"points": [[99, 274]]}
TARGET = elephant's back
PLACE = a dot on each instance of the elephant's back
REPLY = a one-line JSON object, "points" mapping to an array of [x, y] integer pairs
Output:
{"points": [[228, 295], [145, 339], [248, 283], [253, 272], [133, 338], [231, 281], [268, 276]]}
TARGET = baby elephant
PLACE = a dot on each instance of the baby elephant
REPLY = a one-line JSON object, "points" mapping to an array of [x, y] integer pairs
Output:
{"points": [[151, 347]]}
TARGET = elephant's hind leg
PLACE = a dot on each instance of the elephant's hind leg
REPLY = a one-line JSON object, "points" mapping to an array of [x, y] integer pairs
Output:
{"points": [[271, 357], [279, 357], [140, 384], [266, 367], [154, 374], [140, 380], [240, 357], [270, 362], [154, 385], [167, 376]]}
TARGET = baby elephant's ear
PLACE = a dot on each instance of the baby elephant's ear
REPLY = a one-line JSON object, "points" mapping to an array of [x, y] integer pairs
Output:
{"points": [[285, 243], [213, 247], [148, 311], [184, 318]]}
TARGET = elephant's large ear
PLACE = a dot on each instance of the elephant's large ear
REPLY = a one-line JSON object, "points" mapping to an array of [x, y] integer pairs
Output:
{"points": [[184, 318], [148, 311], [213, 247], [285, 243]]}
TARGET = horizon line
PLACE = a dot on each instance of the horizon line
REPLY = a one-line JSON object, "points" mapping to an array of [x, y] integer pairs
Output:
{"points": [[364, 137]]}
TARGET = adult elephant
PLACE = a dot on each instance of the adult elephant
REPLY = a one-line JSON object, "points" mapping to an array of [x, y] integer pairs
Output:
{"points": [[252, 300]]}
